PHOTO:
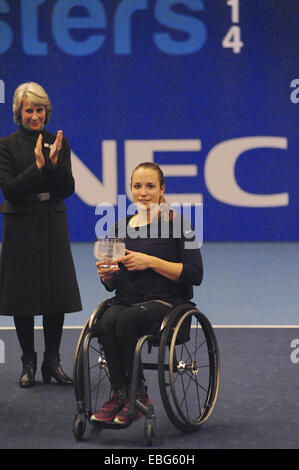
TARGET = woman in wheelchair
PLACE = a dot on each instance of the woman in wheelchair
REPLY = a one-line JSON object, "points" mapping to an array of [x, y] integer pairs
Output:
{"points": [[161, 264]]}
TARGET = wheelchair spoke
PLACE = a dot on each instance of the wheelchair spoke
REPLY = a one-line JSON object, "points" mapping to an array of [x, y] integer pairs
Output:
{"points": [[192, 371], [99, 376], [94, 366], [184, 394], [96, 349]]}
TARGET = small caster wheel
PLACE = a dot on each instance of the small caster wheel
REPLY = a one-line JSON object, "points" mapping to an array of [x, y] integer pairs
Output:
{"points": [[149, 433], [78, 428]]}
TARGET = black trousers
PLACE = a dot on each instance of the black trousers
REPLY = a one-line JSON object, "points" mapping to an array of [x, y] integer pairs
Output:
{"points": [[52, 327], [118, 330]]}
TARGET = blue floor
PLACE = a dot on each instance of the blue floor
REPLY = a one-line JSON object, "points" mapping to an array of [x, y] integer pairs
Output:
{"points": [[250, 285], [244, 284], [257, 406]]}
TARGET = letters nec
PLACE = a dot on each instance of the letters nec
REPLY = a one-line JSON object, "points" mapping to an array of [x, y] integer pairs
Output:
{"points": [[219, 171]]}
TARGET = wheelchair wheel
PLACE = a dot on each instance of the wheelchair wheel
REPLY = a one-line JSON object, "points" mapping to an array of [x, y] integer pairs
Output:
{"points": [[91, 379], [189, 370], [78, 366], [79, 428], [149, 433]]}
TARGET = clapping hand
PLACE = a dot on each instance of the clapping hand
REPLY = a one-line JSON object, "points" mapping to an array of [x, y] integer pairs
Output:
{"points": [[55, 148], [38, 152]]}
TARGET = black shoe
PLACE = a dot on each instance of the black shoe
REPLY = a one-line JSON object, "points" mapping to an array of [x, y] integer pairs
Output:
{"points": [[27, 378], [51, 368]]}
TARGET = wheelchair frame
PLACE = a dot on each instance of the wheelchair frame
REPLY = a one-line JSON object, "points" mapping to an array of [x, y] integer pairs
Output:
{"points": [[186, 334]]}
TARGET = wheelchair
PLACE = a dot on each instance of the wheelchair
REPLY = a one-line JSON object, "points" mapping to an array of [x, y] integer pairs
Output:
{"points": [[187, 363]]}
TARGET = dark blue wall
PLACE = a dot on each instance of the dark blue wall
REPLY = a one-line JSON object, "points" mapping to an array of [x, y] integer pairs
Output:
{"points": [[208, 88]]}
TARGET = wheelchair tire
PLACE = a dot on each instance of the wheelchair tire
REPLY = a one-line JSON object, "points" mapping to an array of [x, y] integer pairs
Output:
{"points": [[78, 366], [78, 429], [149, 434], [92, 376], [189, 371], [90, 372]]}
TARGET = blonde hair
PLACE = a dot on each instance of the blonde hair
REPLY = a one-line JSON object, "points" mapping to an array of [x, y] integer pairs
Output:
{"points": [[35, 94]]}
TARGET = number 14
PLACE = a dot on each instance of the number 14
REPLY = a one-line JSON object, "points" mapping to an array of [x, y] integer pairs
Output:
{"points": [[232, 39]]}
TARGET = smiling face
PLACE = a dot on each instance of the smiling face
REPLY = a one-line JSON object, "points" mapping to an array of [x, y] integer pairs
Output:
{"points": [[33, 116], [146, 188]]}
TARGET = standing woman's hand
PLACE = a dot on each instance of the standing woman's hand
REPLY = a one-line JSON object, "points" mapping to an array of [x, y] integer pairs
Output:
{"points": [[38, 152], [55, 148]]}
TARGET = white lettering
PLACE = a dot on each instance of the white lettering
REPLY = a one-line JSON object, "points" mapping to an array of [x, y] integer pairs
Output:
{"points": [[2, 352], [295, 93], [88, 187], [295, 354], [2, 91], [115, 460], [219, 171], [220, 178]]}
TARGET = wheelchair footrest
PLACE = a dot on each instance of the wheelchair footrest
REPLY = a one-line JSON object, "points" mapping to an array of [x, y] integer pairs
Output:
{"points": [[111, 424]]}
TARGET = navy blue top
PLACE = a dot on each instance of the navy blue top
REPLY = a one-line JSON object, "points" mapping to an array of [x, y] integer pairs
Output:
{"points": [[166, 240]]}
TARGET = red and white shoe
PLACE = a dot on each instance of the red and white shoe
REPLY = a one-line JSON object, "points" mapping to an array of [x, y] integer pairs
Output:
{"points": [[123, 417], [109, 410]]}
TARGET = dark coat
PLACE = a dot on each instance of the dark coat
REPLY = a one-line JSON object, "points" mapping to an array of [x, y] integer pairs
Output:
{"points": [[37, 274]]}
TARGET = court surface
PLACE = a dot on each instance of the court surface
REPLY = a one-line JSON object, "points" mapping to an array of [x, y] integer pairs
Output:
{"points": [[250, 295]]}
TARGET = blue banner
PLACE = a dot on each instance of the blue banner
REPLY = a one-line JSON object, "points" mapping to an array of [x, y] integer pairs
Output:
{"points": [[209, 89]]}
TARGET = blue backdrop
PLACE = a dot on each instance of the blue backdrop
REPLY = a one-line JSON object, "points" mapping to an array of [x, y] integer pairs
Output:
{"points": [[207, 88]]}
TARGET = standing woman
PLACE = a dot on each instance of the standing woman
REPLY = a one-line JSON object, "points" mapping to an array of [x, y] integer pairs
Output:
{"points": [[37, 274]]}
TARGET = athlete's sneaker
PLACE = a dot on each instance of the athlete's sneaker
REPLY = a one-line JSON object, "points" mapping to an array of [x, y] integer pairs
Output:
{"points": [[109, 410], [123, 416]]}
